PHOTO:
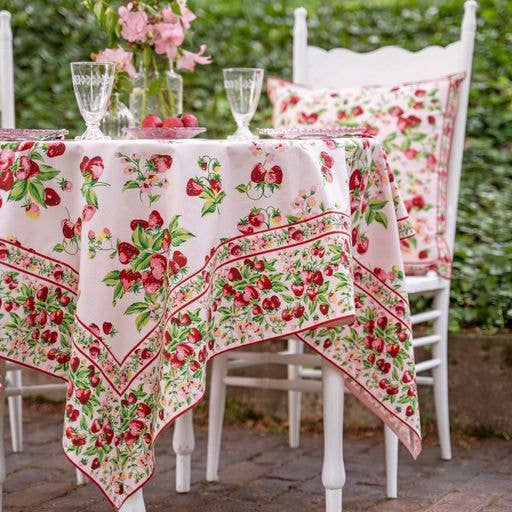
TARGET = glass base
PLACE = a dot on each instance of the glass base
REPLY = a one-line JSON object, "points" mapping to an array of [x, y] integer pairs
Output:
{"points": [[243, 133], [92, 133]]}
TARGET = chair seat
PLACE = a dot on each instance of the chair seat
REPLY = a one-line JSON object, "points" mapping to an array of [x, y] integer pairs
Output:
{"points": [[428, 283]]}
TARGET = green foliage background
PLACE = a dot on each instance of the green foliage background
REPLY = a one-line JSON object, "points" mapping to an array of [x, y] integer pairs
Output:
{"points": [[51, 33]]}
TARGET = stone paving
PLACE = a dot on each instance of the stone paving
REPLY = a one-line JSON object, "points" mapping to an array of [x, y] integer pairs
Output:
{"points": [[260, 473]]}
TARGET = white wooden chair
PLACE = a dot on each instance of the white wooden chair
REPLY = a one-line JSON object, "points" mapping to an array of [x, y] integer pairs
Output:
{"points": [[344, 68], [11, 385]]}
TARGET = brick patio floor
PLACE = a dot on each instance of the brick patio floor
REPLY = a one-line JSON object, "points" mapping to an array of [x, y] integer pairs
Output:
{"points": [[260, 473]]}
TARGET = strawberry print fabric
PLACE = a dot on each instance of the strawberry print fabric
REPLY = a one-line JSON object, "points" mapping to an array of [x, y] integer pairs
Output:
{"points": [[414, 123], [126, 265]]}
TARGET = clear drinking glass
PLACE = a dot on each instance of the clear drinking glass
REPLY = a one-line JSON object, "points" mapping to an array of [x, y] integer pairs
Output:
{"points": [[92, 83], [243, 89]]}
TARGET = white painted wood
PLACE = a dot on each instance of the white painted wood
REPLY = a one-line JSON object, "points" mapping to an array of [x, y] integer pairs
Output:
{"points": [[295, 397], [422, 341], [391, 445], [135, 503], [333, 470], [306, 386], [6, 72], [216, 407], [81, 479], [2, 418], [287, 358], [426, 316], [183, 443], [430, 282], [440, 374], [16, 412], [312, 373], [427, 365], [300, 44], [34, 390], [423, 380]]}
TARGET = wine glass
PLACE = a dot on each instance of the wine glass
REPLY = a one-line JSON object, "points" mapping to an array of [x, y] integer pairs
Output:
{"points": [[92, 83], [243, 89]]}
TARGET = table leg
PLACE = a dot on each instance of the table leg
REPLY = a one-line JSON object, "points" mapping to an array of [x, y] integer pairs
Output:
{"points": [[2, 414], [183, 446], [333, 471], [135, 503]]}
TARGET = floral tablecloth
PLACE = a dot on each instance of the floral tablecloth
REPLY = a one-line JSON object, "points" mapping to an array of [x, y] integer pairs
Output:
{"points": [[126, 265]]}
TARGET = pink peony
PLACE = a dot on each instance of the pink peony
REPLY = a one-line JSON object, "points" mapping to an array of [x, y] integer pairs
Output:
{"points": [[134, 24], [118, 56], [6, 159], [188, 60]]}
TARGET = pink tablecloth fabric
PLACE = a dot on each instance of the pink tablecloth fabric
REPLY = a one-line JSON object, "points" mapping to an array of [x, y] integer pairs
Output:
{"points": [[126, 265]]}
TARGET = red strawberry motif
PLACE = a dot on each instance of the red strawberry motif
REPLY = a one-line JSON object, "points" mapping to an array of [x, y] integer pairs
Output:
{"points": [[275, 175], [392, 390], [179, 258], [234, 274], [244, 228], [95, 464], [216, 186], [267, 303], [355, 180], [194, 335], [378, 345], [6, 181], [418, 201], [143, 410], [55, 149], [312, 293], [406, 377], [383, 383], [94, 380], [74, 363], [362, 245], [286, 315], [166, 240], [68, 229], [150, 283], [392, 349], [264, 283], [158, 265], [298, 311], [357, 111], [92, 166], [57, 316], [327, 159], [51, 198], [276, 301], [107, 328], [318, 278], [250, 293], [423, 254], [185, 319], [239, 300], [155, 219], [28, 168], [64, 300], [256, 310], [83, 395], [382, 322], [324, 309], [409, 411], [128, 277], [256, 218], [194, 188], [257, 173], [396, 111], [259, 265], [95, 426], [162, 163], [138, 222], [127, 252]]}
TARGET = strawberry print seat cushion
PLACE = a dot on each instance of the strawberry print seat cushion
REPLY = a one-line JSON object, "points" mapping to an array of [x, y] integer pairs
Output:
{"points": [[414, 122]]}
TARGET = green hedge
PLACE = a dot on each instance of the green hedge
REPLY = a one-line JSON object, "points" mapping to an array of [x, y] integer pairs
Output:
{"points": [[51, 33]]}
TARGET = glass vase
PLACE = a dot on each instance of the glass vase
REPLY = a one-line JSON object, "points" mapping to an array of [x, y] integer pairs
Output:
{"points": [[117, 118], [156, 93]]}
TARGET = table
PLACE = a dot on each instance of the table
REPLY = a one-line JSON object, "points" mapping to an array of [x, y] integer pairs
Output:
{"points": [[126, 265]]}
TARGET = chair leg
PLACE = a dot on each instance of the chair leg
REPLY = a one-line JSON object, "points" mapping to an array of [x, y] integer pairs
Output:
{"points": [[183, 445], [294, 397], [16, 412], [333, 471], [391, 442], [81, 479], [216, 407], [440, 374], [2, 414], [135, 503]]}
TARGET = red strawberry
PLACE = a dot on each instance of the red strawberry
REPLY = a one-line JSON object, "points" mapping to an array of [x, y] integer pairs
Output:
{"points": [[83, 395], [28, 168], [95, 464], [64, 300], [318, 278], [57, 316], [155, 219], [55, 149], [256, 310], [276, 301], [264, 283], [215, 185], [150, 283], [161, 162], [406, 377], [193, 188], [392, 390], [138, 222], [75, 363], [275, 175], [382, 322], [324, 309], [257, 174], [378, 345], [383, 383], [256, 218], [158, 265], [234, 274], [297, 289], [128, 277], [95, 426], [355, 180], [179, 258], [312, 293], [143, 410], [362, 245], [286, 315], [267, 303], [68, 229], [42, 293], [357, 111], [250, 293], [127, 252], [244, 228], [409, 411], [107, 328], [51, 198], [298, 311], [185, 319], [392, 349], [94, 380], [194, 335], [6, 181], [327, 159]]}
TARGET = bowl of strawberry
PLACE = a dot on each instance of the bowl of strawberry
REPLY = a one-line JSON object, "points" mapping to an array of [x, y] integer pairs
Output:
{"points": [[185, 126]]}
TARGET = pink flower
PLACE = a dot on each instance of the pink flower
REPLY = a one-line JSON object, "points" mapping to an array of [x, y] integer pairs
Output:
{"points": [[6, 159], [168, 36], [134, 24], [188, 60], [186, 14], [118, 56]]}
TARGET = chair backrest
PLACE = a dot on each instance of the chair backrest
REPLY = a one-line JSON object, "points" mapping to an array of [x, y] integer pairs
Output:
{"points": [[391, 65], [6, 72]]}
